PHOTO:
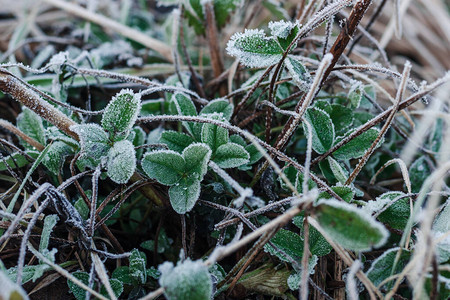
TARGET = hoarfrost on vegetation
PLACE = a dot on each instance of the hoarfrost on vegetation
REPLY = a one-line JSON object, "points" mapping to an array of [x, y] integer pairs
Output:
{"points": [[121, 161], [94, 141], [31, 124], [188, 280], [231, 155], [254, 49], [281, 28], [121, 113]]}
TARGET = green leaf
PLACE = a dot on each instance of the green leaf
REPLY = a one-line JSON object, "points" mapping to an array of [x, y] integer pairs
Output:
{"points": [[116, 286], [49, 222], [121, 162], [254, 49], [196, 157], [341, 116], [294, 280], [31, 124], [212, 135], [231, 155], [419, 172], [94, 141], [184, 194], [349, 226], [338, 171], [176, 141], [56, 156], [322, 129], [219, 106], [255, 155], [298, 72], [78, 292], [82, 208], [318, 245], [284, 31], [137, 269], [138, 140], [357, 146], [355, 95], [17, 160], [121, 113], [299, 183], [33, 272], [166, 166], [397, 214], [345, 192], [441, 226], [184, 107], [223, 9], [382, 267], [287, 241], [188, 280]]}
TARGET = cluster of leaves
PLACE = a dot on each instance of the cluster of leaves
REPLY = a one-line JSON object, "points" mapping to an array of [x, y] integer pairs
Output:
{"points": [[203, 154]]}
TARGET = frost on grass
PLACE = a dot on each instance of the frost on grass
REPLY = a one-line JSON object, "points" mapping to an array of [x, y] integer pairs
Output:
{"points": [[254, 49], [121, 113], [31, 124], [188, 280], [121, 161], [349, 226]]}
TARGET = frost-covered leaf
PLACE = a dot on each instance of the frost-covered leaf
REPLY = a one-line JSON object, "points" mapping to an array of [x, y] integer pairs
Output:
{"points": [[345, 192], [188, 280], [231, 155], [78, 292], [49, 222], [121, 161], [32, 272], [138, 140], [94, 141], [166, 166], [287, 241], [322, 129], [357, 146], [441, 226], [176, 141], [341, 116], [56, 156], [212, 135], [137, 269], [298, 72], [284, 31], [254, 49], [184, 107], [419, 172], [237, 139], [196, 157], [437, 135], [184, 194], [318, 245], [17, 160], [349, 226], [294, 280], [31, 124], [397, 214], [381, 268], [218, 106], [338, 171], [299, 183], [355, 94], [116, 286], [154, 135], [121, 113]]}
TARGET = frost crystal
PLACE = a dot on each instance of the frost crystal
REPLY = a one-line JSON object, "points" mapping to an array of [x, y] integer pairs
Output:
{"points": [[254, 49], [281, 28]]}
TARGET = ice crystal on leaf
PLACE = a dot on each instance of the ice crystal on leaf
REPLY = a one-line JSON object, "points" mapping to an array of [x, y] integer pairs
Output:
{"points": [[121, 114], [188, 280], [254, 49], [121, 161]]}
